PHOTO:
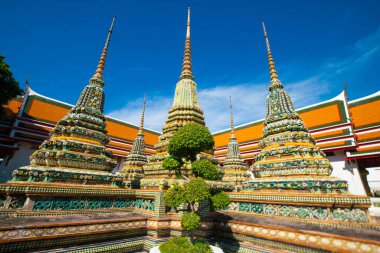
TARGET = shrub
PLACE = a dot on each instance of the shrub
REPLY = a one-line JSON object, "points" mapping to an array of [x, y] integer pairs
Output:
{"points": [[196, 190], [220, 200], [171, 163], [175, 196], [203, 247], [206, 169], [190, 221], [190, 140], [182, 245], [175, 245]]}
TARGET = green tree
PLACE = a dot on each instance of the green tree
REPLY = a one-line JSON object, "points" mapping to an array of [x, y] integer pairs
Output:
{"points": [[190, 140], [8, 85], [194, 191], [171, 163], [206, 169]]}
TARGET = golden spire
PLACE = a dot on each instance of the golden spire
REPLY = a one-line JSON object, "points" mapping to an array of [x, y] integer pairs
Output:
{"points": [[102, 61], [142, 114], [231, 119], [187, 70], [272, 69]]}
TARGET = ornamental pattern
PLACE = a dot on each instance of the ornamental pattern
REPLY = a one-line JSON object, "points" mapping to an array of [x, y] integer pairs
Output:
{"points": [[63, 203], [289, 158], [303, 212], [77, 142]]}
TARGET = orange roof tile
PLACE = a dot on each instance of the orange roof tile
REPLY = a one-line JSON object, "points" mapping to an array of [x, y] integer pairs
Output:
{"points": [[365, 114], [368, 136], [321, 116]]}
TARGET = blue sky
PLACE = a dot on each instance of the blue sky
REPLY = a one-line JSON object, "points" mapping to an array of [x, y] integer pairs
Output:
{"points": [[317, 45]]}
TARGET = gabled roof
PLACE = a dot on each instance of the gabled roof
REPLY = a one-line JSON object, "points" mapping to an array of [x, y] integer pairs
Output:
{"points": [[39, 114], [335, 124], [365, 113], [328, 122]]}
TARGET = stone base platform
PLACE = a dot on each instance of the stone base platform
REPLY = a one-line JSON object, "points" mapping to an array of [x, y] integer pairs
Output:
{"points": [[234, 233]]}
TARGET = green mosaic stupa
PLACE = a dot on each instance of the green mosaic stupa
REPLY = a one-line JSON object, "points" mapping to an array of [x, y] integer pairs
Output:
{"points": [[133, 166], [234, 167], [289, 158], [76, 150]]}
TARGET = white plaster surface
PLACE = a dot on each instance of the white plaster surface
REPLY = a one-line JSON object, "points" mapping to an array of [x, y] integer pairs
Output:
{"points": [[347, 170], [20, 158], [373, 178]]}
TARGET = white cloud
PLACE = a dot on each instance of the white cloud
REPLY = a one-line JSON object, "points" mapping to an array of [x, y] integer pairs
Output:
{"points": [[155, 114], [361, 52], [249, 103], [249, 99]]}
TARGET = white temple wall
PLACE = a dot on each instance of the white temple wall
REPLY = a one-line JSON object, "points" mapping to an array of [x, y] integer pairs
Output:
{"points": [[20, 158], [373, 178], [347, 170]]}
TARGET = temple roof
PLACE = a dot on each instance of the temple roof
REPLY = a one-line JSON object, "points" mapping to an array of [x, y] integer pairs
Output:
{"points": [[329, 123], [39, 114], [366, 122]]}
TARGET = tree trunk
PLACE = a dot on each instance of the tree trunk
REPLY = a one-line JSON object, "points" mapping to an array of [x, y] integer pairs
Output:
{"points": [[192, 237]]}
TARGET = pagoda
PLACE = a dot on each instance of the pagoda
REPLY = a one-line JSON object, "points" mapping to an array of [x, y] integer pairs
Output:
{"points": [[133, 166], [289, 158], [76, 151], [292, 175], [235, 169], [185, 110]]}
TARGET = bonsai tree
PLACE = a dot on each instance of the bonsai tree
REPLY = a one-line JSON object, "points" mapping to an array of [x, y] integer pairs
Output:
{"points": [[194, 191], [184, 146]]}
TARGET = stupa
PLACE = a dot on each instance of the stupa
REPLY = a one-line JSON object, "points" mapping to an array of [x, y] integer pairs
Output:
{"points": [[76, 151], [133, 166], [235, 169], [185, 110], [289, 157], [292, 172]]}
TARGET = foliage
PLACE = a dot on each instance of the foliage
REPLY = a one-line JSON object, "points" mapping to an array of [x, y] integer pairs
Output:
{"points": [[8, 85], [203, 247], [190, 140], [171, 163], [206, 169], [190, 221], [175, 245], [182, 244], [175, 196], [196, 190], [220, 200]]}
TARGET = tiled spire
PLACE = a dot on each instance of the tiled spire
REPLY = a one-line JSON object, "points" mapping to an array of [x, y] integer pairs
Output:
{"points": [[142, 115], [79, 139], [274, 81], [235, 169], [133, 166], [102, 61], [187, 70], [139, 143], [288, 151], [185, 107], [231, 119]]}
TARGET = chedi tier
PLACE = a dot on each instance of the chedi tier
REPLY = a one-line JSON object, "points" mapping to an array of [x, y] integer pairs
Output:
{"points": [[292, 175], [133, 166], [234, 167], [76, 150], [289, 158], [185, 110]]}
